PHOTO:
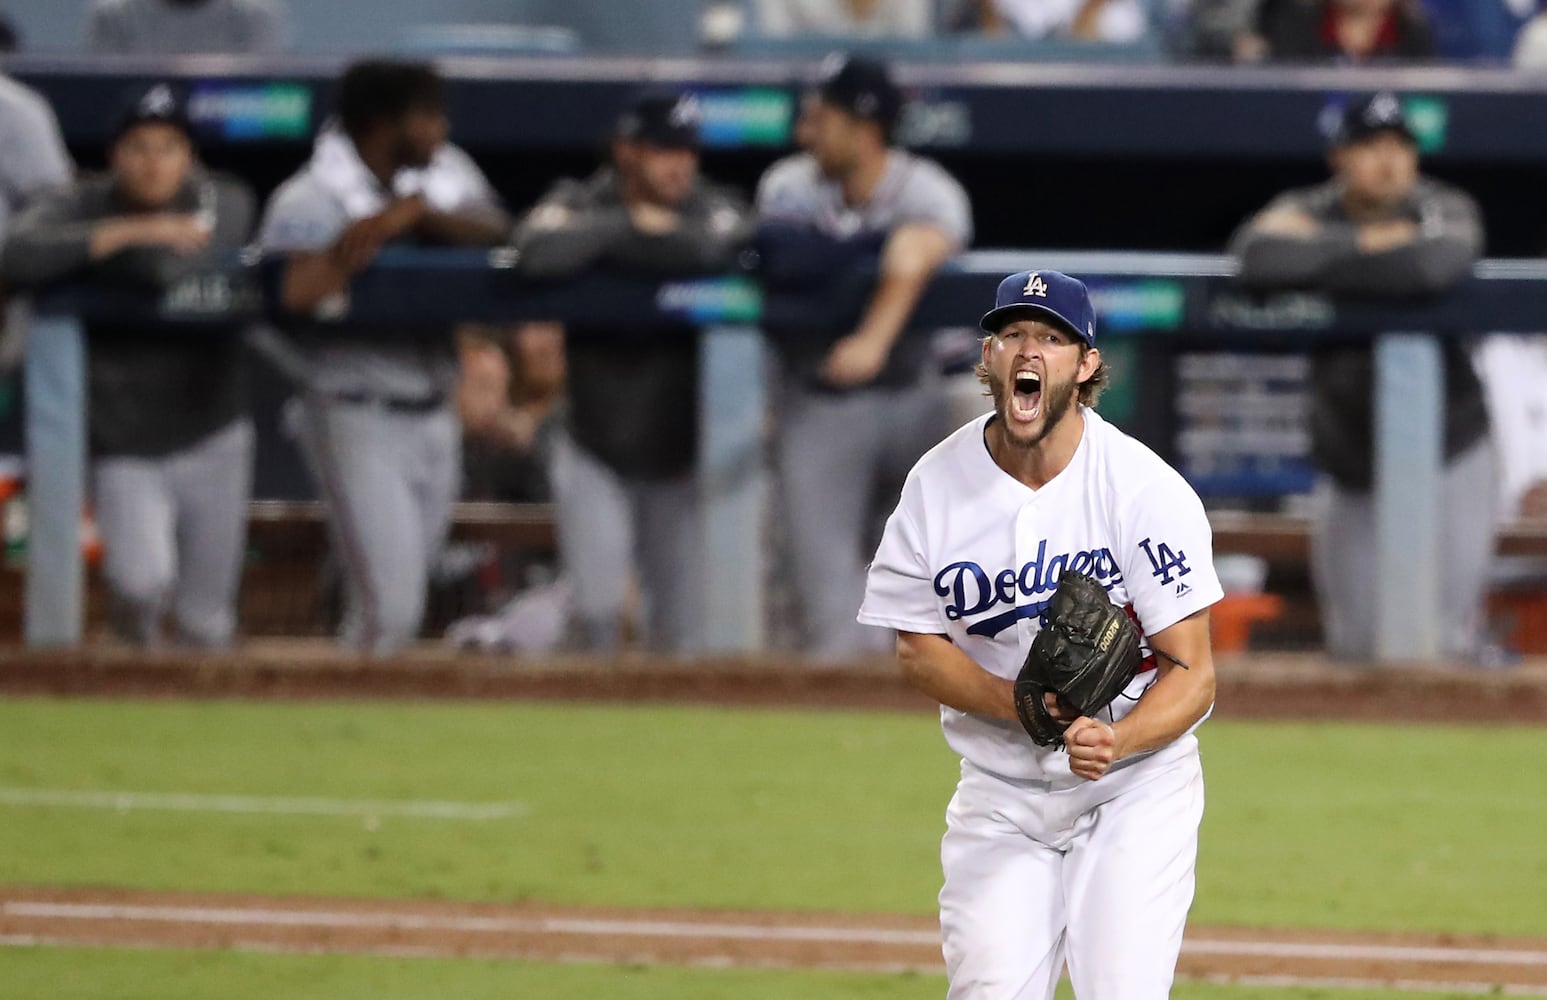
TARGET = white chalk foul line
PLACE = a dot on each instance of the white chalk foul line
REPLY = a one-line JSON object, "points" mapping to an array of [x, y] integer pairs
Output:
{"points": [[728, 962], [715, 931], [123, 801], [1355, 983], [1366, 952], [492, 925]]}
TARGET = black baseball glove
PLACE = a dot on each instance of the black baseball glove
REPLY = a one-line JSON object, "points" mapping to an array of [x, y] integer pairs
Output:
{"points": [[1086, 653]]}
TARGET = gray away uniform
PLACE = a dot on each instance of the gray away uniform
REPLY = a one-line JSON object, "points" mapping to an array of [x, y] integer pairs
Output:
{"points": [[843, 454], [171, 442], [32, 154], [124, 27], [1342, 422], [623, 467], [32, 160], [379, 430]]}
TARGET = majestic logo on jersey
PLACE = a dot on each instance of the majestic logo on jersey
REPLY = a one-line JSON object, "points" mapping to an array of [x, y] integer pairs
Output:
{"points": [[970, 590], [1035, 286], [1163, 561]]}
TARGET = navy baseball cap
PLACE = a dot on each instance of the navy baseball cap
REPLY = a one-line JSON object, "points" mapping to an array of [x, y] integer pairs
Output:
{"points": [[861, 86], [1370, 116], [161, 103], [1043, 295], [664, 118]]}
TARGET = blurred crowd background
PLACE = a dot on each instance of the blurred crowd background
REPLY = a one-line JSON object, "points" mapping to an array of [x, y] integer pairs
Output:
{"points": [[532, 486], [1475, 31]]}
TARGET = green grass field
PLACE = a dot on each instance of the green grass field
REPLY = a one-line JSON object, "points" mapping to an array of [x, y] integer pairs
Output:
{"points": [[1337, 826], [1347, 826]]}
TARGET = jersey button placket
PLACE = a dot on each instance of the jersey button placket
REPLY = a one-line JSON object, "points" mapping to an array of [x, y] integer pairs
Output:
{"points": [[1027, 539]]}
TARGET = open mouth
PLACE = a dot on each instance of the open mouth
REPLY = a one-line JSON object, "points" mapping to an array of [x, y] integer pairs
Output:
{"points": [[1026, 401]]}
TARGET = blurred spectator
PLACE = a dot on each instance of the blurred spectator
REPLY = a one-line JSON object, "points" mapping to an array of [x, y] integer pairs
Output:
{"points": [[511, 391], [857, 18], [10, 40], [177, 27], [1477, 30], [512, 384], [1381, 228], [378, 425], [1116, 21], [857, 407], [1215, 29], [623, 470], [1344, 30], [171, 441], [1531, 44]]}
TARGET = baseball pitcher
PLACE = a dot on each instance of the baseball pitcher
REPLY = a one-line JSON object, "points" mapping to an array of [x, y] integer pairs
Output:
{"points": [[1049, 580]]}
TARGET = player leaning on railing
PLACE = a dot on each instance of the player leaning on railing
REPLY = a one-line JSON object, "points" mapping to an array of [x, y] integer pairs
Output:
{"points": [[623, 467], [171, 441], [1380, 228], [376, 417]]}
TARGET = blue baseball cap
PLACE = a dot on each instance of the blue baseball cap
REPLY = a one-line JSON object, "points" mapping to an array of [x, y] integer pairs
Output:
{"points": [[1042, 295], [160, 104], [1370, 116]]}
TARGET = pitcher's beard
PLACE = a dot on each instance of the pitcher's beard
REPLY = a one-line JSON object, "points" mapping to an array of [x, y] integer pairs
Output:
{"points": [[1057, 401]]}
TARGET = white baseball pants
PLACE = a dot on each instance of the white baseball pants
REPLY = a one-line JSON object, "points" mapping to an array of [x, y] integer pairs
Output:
{"points": [[1099, 875]]}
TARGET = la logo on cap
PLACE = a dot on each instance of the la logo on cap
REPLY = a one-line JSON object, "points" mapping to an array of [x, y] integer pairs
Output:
{"points": [[1035, 286]]}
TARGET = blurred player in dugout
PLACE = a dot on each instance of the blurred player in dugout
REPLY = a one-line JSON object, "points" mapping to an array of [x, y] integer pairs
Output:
{"points": [[1380, 228], [170, 437], [377, 420], [623, 464], [857, 406]]}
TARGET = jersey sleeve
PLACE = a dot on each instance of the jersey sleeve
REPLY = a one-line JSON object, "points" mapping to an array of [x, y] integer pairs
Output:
{"points": [[453, 182], [934, 197], [785, 193], [899, 589], [300, 218], [1167, 556], [33, 158]]}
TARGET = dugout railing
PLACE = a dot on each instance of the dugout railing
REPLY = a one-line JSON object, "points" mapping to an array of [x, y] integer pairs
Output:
{"points": [[1137, 295]]}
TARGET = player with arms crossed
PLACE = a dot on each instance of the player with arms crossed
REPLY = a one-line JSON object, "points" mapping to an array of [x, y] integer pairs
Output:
{"points": [[1082, 850]]}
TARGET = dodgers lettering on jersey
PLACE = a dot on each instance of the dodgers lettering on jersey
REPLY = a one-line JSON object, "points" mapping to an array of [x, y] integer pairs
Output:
{"points": [[973, 554], [971, 591]]}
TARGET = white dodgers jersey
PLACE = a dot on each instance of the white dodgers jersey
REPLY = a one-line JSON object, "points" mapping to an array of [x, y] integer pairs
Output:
{"points": [[974, 554]]}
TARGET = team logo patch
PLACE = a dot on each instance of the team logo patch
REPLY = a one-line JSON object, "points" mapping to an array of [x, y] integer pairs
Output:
{"points": [[1166, 564], [1035, 286]]}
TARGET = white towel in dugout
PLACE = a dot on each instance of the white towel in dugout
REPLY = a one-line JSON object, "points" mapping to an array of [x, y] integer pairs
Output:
{"points": [[1513, 370], [451, 182]]}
